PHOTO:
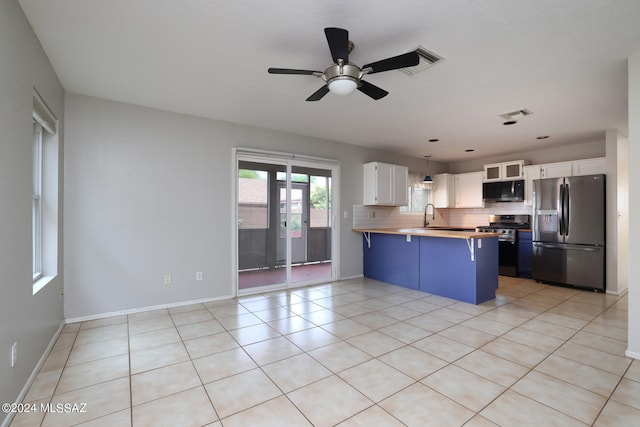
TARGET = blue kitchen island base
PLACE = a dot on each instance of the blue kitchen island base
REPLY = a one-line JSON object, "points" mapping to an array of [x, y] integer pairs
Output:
{"points": [[464, 269]]}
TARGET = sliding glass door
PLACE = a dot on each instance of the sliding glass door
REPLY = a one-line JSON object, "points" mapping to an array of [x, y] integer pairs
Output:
{"points": [[285, 223], [297, 224]]}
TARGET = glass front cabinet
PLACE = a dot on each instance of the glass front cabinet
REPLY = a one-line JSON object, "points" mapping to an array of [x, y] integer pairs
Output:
{"points": [[504, 171]]}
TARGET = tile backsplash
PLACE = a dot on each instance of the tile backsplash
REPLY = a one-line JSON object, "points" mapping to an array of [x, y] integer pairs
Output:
{"points": [[480, 216], [391, 217]]}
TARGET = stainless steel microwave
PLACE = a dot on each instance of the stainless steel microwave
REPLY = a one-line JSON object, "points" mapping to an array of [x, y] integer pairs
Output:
{"points": [[503, 191]]}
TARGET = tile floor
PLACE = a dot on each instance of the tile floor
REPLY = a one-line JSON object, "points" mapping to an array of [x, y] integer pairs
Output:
{"points": [[353, 353]]}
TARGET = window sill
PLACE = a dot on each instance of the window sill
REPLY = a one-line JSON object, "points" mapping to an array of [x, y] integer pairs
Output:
{"points": [[43, 281]]}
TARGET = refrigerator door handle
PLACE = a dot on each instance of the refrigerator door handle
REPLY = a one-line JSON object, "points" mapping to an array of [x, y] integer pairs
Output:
{"points": [[561, 206], [566, 209]]}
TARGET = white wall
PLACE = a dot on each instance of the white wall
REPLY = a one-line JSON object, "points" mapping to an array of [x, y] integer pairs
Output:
{"points": [[622, 215], [148, 192], [617, 212], [633, 345], [30, 320]]}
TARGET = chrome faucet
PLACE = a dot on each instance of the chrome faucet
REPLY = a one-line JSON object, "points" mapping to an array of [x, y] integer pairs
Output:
{"points": [[433, 214]]}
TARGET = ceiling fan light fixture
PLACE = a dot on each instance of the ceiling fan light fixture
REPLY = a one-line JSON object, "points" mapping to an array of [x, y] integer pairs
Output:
{"points": [[343, 85], [343, 78]]}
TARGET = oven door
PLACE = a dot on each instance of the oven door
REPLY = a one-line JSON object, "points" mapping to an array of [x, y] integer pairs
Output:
{"points": [[508, 258]]}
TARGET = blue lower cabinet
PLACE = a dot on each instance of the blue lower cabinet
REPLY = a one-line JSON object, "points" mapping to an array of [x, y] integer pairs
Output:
{"points": [[446, 268], [392, 259], [439, 266], [525, 254]]}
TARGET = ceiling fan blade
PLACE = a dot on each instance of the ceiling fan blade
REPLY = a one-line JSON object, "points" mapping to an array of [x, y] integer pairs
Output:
{"points": [[408, 59], [338, 40], [292, 71], [317, 95], [372, 90]]}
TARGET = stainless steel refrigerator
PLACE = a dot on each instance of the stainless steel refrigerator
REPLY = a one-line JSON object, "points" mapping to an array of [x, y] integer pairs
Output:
{"points": [[569, 231]]}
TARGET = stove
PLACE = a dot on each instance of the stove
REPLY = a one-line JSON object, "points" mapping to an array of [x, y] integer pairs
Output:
{"points": [[507, 227]]}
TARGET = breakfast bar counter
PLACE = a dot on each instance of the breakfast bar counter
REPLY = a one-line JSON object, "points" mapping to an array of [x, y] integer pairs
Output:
{"points": [[461, 265]]}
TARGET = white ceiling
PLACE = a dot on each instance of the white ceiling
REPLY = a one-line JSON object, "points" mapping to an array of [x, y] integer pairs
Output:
{"points": [[564, 60]]}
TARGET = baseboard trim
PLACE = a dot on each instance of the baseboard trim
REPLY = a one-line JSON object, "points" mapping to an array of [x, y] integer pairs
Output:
{"points": [[620, 292], [357, 276], [23, 393], [143, 309], [176, 304], [632, 354]]}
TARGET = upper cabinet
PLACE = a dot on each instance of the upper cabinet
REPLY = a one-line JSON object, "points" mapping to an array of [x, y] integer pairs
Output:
{"points": [[556, 170], [468, 190], [504, 171], [443, 190], [385, 184], [590, 166], [530, 173], [400, 196], [559, 170], [575, 168]]}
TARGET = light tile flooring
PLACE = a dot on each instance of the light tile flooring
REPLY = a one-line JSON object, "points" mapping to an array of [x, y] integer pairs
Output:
{"points": [[353, 353]]}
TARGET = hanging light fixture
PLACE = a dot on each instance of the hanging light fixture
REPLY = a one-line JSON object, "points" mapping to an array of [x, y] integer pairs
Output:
{"points": [[427, 177]]}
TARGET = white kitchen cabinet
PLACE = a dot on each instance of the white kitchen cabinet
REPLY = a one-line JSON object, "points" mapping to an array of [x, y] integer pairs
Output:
{"points": [[468, 190], [504, 171], [513, 170], [443, 190], [492, 172], [385, 184], [589, 166], [400, 196], [556, 170], [530, 173]]}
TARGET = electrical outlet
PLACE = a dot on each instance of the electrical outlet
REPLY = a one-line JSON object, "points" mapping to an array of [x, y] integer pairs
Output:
{"points": [[167, 279], [199, 276], [14, 354]]}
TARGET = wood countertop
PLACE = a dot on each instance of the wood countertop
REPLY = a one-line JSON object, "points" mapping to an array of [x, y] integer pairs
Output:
{"points": [[428, 232]]}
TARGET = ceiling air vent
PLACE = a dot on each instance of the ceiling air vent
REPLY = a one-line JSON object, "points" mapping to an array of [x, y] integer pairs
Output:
{"points": [[427, 59], [515, 115]]}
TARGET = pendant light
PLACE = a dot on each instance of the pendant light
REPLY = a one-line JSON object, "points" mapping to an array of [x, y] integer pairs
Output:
{"points": [[427, 177]]}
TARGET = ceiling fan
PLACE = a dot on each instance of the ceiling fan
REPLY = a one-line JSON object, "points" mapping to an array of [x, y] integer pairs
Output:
{"points": [[343, 78]]}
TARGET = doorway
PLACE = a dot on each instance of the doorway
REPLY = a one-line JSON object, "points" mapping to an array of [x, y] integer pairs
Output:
{"points": [[285, 223], [299, 206]]}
